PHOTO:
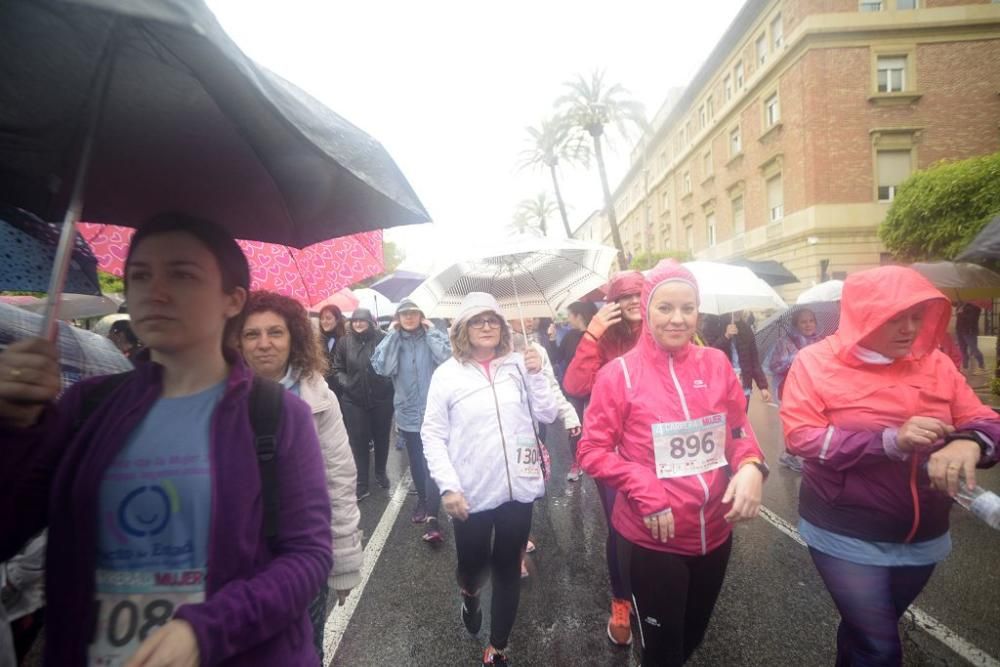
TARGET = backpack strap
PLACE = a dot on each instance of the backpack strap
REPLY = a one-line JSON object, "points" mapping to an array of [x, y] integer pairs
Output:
{"points": [[266, 402], [93, 396]]}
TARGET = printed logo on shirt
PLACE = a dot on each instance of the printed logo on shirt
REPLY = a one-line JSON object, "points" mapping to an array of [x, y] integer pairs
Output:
{"points": [[649, 620], [700, 384]]}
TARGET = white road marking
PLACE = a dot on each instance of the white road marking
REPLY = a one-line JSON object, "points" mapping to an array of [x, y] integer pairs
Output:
{"points": [[939, 631], [337, 622]]}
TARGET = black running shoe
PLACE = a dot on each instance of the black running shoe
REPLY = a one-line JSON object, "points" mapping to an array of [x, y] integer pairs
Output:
{"points": [[472, 615], [363, 491], [382, 480]]}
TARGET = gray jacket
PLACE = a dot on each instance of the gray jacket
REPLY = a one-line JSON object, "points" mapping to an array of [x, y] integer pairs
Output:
{"points": [[410, 360]]}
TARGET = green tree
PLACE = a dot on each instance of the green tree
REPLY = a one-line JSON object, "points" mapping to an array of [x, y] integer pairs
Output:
{"points": [[648, 260], [592, 105], [555, 140], [110, 284], [534, 214], [939, 210]]}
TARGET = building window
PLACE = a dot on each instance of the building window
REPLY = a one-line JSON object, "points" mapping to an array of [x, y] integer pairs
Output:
{"points": [[891, 74], [893, 167], [702, 117], [710, 106], [761, 50], [772, 112], [689, 134], [906, 4], [727, 87], [739, 220], [777, 33], [689, 236], [706, 161], [666, 202], [681, 139], [870, 5], [775, 199], [710, 228], [687, 182], [735, 142], [738, 75]]}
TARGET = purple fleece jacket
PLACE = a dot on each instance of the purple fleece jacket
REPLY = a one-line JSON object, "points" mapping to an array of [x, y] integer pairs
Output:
{"points": [[255, 612]]}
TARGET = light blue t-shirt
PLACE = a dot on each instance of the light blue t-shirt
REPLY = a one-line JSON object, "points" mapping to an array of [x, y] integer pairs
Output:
{"points": [[883, 554], [154, 521]]}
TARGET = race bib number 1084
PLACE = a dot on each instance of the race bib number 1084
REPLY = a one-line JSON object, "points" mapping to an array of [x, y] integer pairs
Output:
{"points": [[689, 447]]}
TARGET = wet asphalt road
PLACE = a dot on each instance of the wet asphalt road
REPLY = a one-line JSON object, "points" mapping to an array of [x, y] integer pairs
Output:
{"points": [[773, 609]]}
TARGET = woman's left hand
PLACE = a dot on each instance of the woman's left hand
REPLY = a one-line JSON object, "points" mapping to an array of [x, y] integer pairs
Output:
{"points": [[173, 645], [744, 492], [532, 360], [342, 597], [573, 432], [946, 465]]}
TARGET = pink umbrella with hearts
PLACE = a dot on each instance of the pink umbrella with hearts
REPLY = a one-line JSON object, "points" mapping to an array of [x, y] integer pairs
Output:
{"points": [[309, 275]]}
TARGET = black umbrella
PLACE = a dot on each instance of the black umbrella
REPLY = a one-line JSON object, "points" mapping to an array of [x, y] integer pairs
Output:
{"points": [[985, 247], [772, 272], [178, 118]]}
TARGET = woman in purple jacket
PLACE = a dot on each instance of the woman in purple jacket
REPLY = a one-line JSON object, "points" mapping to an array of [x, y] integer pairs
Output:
{"points": [[158, 552]]}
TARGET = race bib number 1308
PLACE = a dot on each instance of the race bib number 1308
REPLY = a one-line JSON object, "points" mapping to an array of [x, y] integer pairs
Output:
{"points": [[689, 447]]}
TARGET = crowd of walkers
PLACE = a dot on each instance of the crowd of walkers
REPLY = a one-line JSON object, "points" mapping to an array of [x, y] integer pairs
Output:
{"points": [[203, 508]]}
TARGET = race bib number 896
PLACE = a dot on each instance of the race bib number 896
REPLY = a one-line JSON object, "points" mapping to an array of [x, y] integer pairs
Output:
{"points": [[689, 447]]}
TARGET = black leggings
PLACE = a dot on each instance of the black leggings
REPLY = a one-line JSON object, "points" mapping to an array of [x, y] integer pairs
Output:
{"points": [[427, 490], [674, 597], [508, 525], [364, 426]]}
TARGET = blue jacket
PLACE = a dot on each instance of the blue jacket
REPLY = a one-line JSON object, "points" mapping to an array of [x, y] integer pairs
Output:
{"points": [[410, 360]]}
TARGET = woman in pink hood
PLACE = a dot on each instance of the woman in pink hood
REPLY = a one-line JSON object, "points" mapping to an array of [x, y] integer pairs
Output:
{"points": [[612, 332], [666, 428], [886, 425]]}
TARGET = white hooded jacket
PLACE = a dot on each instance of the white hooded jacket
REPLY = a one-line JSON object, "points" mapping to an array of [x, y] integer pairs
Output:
{"points": [[478, 435]]}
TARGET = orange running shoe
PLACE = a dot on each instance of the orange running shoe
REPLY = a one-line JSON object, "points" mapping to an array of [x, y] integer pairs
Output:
{"points": [[619, 625]]}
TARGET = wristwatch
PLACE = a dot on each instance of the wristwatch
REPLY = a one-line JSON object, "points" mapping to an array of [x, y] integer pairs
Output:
{"points": [[760, 465]]}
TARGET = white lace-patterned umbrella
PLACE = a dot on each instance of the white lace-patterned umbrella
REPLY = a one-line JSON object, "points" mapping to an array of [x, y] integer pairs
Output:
{"points": [[529, 277], [724, 288]]}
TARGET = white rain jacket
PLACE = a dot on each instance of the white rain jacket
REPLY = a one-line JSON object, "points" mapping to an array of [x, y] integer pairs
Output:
{"points": [[341, 482], [478, 433]]}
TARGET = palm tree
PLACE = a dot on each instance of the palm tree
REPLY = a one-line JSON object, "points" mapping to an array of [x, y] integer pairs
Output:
{"points": [[534, 214], [552, 141], [590, 105]]}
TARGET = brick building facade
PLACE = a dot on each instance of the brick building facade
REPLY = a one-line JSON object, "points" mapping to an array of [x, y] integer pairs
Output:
{"points": [[791, 139]]}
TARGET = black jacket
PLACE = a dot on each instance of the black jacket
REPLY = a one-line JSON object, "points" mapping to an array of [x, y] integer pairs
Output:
{"points": [[352, 369], [752, 370]]}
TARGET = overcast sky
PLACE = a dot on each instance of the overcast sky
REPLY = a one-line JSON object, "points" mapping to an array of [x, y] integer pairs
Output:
{"points": [[448, 86]]}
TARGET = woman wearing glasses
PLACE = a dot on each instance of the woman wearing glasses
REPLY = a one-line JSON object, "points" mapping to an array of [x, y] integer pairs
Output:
{"points": [[481, 450]]}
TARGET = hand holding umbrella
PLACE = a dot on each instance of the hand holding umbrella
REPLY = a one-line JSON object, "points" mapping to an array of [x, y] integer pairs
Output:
{"points": [[29, 378]]}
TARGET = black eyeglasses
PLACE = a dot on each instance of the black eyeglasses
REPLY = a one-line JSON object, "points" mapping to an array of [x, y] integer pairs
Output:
{"points": [[482, 322]]}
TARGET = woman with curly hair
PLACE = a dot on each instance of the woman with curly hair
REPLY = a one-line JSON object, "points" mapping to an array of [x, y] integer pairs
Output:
{"points": [[481, 450], [278, 342]]}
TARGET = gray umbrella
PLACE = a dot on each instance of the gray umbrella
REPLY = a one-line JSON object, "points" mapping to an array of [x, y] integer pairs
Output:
{"points": [[985, 248], [127, 108]]}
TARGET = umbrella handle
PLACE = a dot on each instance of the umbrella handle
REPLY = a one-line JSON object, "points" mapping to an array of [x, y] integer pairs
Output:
{"points": [[67, 236]]}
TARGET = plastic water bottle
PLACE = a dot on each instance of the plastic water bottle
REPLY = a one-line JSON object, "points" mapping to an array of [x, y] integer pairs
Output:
{"points": [[984, 504]]}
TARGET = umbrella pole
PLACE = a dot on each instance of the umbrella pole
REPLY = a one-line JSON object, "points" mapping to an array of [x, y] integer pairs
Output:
{"points": [[67, 236], [520, 310]]}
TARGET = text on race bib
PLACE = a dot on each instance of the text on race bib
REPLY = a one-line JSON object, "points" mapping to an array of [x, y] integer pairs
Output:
{"points": [[689, 447]]}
